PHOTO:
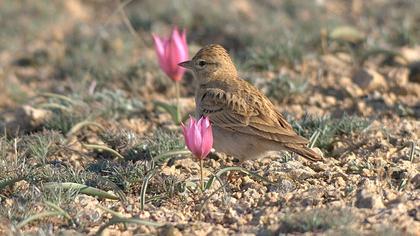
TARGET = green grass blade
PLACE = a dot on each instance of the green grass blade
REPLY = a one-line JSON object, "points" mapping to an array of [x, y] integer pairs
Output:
{"points": [[206, 199], [386, 52], [37, 217], [171, 109], [82, 124], [91, 191], [52, 106], [106, 182], [58, 96], [114, 213], [9, 181], [99, 147], [58, 209], [144, 188], [211, 180], [165, 155], [314, 138], [412, 151]]}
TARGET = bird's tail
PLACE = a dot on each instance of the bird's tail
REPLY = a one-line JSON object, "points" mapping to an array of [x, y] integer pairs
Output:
{"points": [[304, 152]]}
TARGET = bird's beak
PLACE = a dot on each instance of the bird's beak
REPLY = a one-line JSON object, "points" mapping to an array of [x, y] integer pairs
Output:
{"points": [[186, 64]]}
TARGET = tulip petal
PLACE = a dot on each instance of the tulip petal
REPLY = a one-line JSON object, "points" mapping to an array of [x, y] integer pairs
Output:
{"points": [[173, 58], [207, 142], [172, 51], [187, 131], [159, 46], [198, 141], [190, 134], [203, 123], [198, 136], [181, 44]]}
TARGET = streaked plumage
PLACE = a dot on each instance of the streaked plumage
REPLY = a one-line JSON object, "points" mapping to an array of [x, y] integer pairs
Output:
{"points": [[245, 123]]}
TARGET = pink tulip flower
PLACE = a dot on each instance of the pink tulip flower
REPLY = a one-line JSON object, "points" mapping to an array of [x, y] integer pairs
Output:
{"points": [[198, 136], [171, 51]]}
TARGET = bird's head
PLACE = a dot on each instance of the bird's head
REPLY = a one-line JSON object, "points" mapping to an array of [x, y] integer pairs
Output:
{"points": [[211, 62]]}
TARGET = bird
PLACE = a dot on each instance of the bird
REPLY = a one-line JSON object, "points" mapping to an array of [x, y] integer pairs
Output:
{"points": [[245, 123]]}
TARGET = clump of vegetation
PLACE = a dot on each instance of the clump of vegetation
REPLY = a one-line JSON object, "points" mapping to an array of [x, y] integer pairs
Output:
{"points": [[102, 56], [120, 139], [270, 57], [145, 77], [164, 187], [283, 87], [163, 141], [126, 175], [135, 148], [315, 220], [41, 146], [67, 112], [323, 130], [36, 163], [139, 174], [115, 104], [63, 121], [32, 153]]}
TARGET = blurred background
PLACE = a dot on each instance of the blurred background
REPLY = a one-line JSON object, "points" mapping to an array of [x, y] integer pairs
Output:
{"points": [[281, 46]]}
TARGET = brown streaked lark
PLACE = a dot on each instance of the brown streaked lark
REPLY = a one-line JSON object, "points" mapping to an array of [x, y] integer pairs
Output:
{"points": [[246, 125]]}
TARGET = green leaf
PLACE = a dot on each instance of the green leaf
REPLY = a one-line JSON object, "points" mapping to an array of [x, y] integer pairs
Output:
{"points": [[37, 217], [144, 188], [166, 155], [58, 96], [91, 191], [10, 180], [386, 52], [82, 124], [347, 34], [171, 109], [98, 147], [58, 209]]}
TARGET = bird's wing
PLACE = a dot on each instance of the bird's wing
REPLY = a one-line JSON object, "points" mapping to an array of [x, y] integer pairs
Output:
{"points": [[249, 115]]}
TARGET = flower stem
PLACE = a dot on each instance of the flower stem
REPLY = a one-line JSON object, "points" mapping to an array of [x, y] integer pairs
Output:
{"points": [[201, 175], [178, 112]]}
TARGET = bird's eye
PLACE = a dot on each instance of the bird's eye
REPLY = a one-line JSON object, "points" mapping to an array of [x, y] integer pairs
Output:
{"points": [[201, 63]]}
